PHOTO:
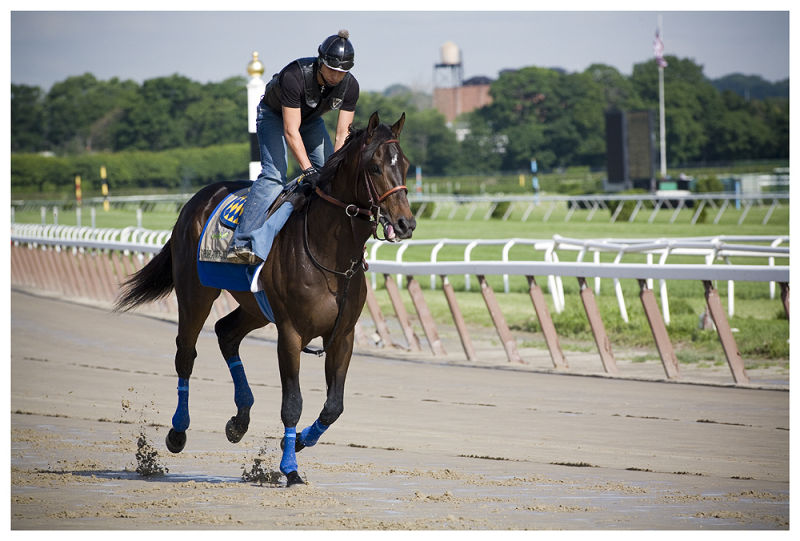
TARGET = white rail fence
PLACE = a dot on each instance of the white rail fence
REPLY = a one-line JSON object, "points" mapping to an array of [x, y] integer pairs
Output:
{"points": [[91, 263], [709, 249]]}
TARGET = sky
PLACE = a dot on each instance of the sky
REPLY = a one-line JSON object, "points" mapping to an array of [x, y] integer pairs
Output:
{"points": [[391, 46]]}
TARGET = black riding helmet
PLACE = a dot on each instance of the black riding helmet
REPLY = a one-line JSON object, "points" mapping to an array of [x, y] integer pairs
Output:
{"points": [[336, 52]]}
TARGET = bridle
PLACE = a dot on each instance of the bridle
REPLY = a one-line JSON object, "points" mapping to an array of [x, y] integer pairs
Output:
{"points": [[352, 210], [373, 212]]}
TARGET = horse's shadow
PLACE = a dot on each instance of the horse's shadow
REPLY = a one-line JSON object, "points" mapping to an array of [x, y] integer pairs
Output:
{"points": [[128, 475]]}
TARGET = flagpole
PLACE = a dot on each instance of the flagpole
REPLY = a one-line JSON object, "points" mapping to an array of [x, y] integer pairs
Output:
{"points": [[662, 125]]}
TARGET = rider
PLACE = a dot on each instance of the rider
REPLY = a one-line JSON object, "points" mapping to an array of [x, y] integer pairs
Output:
{"points": [[290, 113]]}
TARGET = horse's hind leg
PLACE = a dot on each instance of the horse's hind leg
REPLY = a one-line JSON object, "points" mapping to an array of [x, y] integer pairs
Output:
{"points": [[337, 362], [194, 305], [231, 330]]}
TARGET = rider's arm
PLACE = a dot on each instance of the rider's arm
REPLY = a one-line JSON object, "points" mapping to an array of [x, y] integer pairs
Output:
{"points": [[342, 128], [291, 130]]}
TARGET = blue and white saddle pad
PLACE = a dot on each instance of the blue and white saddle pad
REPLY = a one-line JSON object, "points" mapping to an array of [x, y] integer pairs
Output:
{"points": [[212, 267]]}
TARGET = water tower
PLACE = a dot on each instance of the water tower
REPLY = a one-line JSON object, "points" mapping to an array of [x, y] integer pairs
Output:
{"points": [[450, 71], [452, 96]]}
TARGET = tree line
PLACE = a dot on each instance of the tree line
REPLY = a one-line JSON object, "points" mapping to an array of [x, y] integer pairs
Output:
{"points": [[543, 113]]}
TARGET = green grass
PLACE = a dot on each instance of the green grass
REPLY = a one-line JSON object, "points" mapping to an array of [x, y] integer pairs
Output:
{"points": [[163, 216]]}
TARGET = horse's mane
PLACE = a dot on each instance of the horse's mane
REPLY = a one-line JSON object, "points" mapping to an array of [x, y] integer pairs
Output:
{"points": [[355, 139]]}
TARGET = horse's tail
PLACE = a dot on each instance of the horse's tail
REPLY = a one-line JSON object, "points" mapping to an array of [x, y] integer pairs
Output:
{"points": [[150, 283]]}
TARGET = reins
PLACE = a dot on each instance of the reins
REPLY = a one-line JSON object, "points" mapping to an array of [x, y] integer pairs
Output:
{"points": [[352, 210], [348, 275]]}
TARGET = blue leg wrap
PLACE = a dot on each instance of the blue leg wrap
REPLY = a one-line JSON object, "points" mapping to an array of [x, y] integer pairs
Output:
{"points": [[289, 460], [310, 435], [180, 421], [242, 396]]}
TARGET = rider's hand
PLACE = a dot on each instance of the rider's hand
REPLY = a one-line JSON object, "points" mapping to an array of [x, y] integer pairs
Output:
{"points": [[310, 180]]}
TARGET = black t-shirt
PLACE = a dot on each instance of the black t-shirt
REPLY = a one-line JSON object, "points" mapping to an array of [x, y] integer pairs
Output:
{"points": [[291, 84]]}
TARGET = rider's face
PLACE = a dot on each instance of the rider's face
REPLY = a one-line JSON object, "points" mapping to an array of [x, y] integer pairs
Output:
{"points": [[331, 77]]}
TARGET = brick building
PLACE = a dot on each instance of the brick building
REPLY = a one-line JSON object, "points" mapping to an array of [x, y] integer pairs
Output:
{"points": [[472, 94]]}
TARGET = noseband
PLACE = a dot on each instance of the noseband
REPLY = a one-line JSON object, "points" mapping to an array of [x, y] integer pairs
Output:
{"points": [[373, 213]]}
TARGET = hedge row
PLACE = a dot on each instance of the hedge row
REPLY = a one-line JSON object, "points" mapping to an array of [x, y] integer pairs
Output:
{"points": [[129, 171]]}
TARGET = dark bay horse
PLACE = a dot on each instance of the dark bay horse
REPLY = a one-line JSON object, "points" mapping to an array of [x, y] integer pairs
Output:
{"points": [[313, 278]]}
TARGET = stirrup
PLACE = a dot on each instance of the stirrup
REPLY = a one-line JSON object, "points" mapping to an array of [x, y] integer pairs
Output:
{"points": [[242, 254]]}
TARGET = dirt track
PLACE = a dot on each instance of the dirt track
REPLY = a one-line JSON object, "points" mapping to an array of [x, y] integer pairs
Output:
{"points": [[423, 444]]}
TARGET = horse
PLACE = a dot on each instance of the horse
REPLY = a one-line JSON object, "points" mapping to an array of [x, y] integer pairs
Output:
{"points": [[313, 278]]}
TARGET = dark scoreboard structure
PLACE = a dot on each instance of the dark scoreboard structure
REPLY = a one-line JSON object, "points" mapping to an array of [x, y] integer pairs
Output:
{"points": [[630, 150]]}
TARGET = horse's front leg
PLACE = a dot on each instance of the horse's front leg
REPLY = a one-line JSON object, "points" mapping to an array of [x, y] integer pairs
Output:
{"points": [[337, 362], [292, 401]]}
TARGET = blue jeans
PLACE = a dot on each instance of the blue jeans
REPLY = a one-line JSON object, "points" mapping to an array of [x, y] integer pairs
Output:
{"points": [[272, 179]]}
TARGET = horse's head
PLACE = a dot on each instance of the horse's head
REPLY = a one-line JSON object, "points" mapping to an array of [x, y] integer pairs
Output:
{"points": [[383, 168]]}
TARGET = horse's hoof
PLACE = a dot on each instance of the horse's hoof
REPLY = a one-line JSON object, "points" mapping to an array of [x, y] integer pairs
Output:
{"points": [[176, 441], [298, 445], [234, 431], [293, 478]]}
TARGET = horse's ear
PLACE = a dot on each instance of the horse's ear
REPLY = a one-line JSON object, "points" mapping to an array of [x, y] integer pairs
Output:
{"points": [[374, 122], [397, 127]]}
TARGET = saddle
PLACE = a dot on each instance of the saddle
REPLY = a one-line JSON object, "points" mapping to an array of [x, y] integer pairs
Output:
{"points": [[218, 231], [214, 270]]}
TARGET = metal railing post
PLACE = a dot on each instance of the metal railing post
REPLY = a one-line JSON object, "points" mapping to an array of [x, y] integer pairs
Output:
{"points": [[458, 319], [401, 313], [732, 354], [546, 323], [425, 317], [597, 327], [509, 344], [659, 330]]}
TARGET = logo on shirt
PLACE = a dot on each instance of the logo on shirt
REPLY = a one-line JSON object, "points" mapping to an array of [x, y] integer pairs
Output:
{"points": [[336, 103]]}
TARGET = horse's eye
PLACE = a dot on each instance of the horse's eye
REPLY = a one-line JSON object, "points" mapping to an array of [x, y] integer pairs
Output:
{"points": [[374, 168]]}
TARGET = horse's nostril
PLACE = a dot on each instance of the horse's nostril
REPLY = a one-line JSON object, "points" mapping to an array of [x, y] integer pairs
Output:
{"points": [[405, 225]]}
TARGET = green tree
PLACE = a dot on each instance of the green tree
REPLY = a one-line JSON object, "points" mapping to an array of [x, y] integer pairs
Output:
{"points": [[738, 130], [776, 116], [428, 142], [219, 115], [752, 86], [689, 101], [482, 148], [618, 90], [27, 119], [554, 116], [156, 118], [584, 115], [79, 108]]}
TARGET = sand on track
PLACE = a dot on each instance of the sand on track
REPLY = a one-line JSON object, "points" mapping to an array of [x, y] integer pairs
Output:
{"points": [[422, 444]]}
